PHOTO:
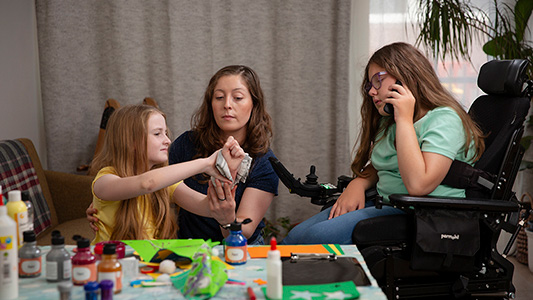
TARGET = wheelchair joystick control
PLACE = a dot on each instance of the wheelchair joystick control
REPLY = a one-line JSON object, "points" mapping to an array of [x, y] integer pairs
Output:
{"points": [[311, 178]]}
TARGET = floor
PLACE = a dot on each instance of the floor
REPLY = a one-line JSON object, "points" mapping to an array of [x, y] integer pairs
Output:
{"points": [[522, 280]]}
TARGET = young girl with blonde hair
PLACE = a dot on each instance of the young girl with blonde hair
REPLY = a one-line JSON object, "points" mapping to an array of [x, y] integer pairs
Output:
{"points": [[135, 186]]}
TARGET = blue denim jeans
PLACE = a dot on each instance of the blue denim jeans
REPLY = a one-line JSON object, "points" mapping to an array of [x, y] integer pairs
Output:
{"points": [[319, 230]]}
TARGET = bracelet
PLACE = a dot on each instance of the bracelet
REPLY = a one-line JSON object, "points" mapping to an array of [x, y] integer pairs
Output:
{"points": [[225, 226]]}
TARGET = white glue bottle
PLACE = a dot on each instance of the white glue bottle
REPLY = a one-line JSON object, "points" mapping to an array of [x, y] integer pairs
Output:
{"points": [[8, 254], [274, 288]]}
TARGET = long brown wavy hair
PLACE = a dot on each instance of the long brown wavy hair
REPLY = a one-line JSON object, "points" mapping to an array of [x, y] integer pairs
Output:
{"points": [[209, 137], [413, 69], [124, 149]]}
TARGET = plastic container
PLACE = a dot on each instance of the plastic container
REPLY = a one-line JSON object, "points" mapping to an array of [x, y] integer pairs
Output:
{"points": [[58, 264], [18, 211], [83, 263], [274, 289], [109, 268], [529, 234], [106, 289], [65, 290], [91, 290], [8, 252], [235, 245], [30, 257]]}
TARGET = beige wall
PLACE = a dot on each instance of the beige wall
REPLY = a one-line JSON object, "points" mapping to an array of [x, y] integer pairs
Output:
{"points": [[20, 100]]}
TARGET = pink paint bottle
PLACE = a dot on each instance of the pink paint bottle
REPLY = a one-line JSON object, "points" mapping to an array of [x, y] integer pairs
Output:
{"points": [[83, 263]]}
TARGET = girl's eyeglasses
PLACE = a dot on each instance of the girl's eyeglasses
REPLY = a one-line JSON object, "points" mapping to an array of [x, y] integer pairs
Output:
{"points": [[375, 81]]}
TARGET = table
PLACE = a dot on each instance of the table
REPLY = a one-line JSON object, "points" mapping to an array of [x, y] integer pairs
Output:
{"points": [[39, 288]]}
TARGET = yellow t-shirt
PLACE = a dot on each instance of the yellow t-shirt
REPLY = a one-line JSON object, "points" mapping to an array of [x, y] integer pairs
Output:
{"points": [[107, 210]]}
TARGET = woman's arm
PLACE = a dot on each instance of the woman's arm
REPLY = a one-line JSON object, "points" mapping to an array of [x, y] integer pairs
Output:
{"points": [[353, 197]]}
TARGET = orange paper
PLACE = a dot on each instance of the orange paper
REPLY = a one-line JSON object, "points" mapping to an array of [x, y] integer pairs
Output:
{"points": [[286, 250]]}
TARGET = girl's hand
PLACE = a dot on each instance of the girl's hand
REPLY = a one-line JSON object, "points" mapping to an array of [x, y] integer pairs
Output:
{"points": [[404, 102], [233, 154], [90, 212], [349, 200], [221, 202]]}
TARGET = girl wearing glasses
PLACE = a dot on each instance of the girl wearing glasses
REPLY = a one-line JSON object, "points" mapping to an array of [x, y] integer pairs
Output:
{"points": [[407, 152]]}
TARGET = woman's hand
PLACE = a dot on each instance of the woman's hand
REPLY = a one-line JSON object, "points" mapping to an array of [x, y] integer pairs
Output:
{"points": [[90, 212], [351, 199], [221, 202]]}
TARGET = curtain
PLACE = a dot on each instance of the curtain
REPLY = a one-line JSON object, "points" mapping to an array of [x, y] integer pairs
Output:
{"points": [[91, 51]]}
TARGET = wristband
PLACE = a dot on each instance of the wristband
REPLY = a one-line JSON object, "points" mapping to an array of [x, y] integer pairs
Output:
{"points": [[225, 226]]}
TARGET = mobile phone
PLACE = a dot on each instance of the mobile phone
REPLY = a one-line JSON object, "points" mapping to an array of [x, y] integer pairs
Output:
{"points": [[388, 107]]}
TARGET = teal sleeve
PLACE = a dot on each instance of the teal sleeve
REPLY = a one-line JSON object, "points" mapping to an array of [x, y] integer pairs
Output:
{"points": [[442, 133]]}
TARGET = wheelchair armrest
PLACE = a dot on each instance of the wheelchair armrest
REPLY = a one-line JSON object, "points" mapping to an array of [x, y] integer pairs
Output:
{"points": [[485, 205]]}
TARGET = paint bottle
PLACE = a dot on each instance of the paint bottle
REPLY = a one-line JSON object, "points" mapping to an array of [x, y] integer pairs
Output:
{"points": [[83, 263], [274, 288], [58, 264], [65, 290], [235, 245], [106, 289], [91, 290], [8, 254], [30, 256], [18, 211], [31, 214], [110, 268]]}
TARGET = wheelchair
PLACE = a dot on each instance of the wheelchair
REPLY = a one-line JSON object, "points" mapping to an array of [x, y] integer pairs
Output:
{"points": [[445, 248]]}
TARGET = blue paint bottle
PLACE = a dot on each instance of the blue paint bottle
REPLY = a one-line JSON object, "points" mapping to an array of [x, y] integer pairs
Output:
{"points": [[235, 245]]}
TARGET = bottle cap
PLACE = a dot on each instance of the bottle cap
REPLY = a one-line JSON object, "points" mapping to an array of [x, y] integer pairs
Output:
{"points": [[58, 240], [273, 243], [29, 236], [83, 243], [25, 195], [91, 286], [14, 196], [106, 284], [110, 248], [64, 287], [237, 226]]}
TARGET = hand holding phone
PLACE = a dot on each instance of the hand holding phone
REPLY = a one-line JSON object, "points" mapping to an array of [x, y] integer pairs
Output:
{"points": [[388, 107]]}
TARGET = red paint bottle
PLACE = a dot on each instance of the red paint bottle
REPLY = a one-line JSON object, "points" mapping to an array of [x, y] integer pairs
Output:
{"points": [[83, 263]]}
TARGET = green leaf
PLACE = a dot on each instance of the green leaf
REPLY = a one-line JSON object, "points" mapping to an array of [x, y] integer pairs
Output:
{"points": [[523, 9], [526, 141]]}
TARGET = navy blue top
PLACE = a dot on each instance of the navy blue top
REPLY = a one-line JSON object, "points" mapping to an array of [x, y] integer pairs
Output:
{"points": [[261, 177]]}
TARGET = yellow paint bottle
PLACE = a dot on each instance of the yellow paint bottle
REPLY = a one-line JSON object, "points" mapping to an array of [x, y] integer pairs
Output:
{"points": [[18, 211]]}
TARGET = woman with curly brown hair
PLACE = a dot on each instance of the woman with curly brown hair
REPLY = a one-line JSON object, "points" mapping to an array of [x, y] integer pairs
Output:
{"points": [[233, 105]]}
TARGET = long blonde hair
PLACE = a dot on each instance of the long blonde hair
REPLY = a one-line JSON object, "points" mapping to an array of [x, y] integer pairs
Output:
{"points": [[124, 149], [413, 69]]}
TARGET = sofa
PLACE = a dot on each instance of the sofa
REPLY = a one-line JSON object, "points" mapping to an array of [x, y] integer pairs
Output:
{"points": [[59, 199]]}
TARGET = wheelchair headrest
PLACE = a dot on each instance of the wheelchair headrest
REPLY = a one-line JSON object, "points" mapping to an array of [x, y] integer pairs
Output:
{"points": [[503, 77]]}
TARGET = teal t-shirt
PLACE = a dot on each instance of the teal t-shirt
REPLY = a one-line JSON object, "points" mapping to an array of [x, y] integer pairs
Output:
{"points": [[439, 131]]}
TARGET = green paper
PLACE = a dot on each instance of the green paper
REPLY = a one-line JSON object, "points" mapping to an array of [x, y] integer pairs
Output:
{"points": [[338, 290], [147, 249]]}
